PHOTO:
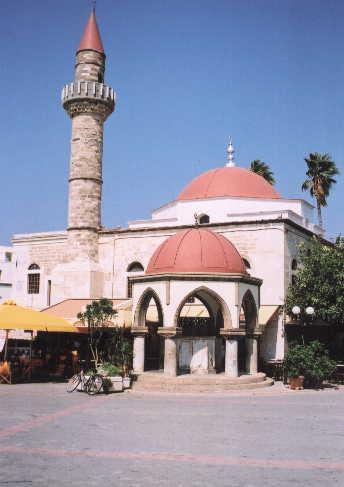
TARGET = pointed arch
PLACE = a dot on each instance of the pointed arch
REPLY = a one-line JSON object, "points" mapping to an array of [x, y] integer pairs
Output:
{"points": [[249, 306], [142, 307], [209, 298]]}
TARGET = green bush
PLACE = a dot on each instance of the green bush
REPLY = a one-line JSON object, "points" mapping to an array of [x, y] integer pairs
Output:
{"points": [[109, 369], [311, 361]]}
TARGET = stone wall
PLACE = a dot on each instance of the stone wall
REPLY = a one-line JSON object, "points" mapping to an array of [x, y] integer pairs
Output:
{"points": [[90, 65]]}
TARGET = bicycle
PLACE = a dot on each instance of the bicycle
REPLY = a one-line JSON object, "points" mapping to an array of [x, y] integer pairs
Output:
{"points": [[92, 384]]}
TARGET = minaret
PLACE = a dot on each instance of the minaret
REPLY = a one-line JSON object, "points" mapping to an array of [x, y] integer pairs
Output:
{"points": [[88, 102]]}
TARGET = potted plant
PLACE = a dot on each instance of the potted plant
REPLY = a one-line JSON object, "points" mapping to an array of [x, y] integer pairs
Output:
{"points": [[126, 352], [112, 379], [307, 365]]}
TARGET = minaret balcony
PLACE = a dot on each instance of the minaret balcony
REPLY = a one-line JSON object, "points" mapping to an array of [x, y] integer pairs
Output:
{"points": [[88, 90]]}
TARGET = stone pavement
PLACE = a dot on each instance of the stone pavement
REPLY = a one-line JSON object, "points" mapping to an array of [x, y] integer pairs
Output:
{"points": [[262, 438]]}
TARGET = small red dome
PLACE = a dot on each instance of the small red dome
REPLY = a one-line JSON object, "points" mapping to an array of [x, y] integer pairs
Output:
{"points": [[228, 181], [196, 251]]}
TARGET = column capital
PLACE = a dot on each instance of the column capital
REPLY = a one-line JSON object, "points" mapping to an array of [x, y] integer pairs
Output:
{"points": [[139, 330], [232, 333], [169, 331], [255, 334]]}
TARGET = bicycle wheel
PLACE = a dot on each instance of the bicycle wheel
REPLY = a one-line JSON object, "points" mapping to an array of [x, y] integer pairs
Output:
{"points": [[94, 384], [73, 383]]}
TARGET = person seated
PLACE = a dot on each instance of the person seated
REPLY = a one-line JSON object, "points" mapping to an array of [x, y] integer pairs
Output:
{"points": [[5, 373]]}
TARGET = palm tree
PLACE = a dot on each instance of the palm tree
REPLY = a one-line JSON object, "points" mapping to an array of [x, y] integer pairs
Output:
{"points": [[321, 170], [261, 168]]}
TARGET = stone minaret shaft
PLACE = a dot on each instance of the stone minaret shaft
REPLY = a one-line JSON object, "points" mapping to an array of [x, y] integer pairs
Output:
{"points": [[88, 102]]}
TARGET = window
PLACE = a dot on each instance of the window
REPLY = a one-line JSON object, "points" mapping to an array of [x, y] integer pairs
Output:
{"points": [[203, 219], [49, 293], [129, 288], [0, 274], [33, 283], [8, 256], [246, 263], [294, 265], [135, 267], [33, 279]]}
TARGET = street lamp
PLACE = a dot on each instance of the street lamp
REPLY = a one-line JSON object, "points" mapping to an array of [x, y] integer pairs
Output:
{"points": [[309, 312], [296, 310]]}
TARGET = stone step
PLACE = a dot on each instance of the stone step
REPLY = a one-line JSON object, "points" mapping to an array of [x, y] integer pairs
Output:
{"points": [[190, 383]]}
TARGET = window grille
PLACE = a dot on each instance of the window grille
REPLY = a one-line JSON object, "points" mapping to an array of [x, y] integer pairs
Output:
{"points": [[33, 281]]}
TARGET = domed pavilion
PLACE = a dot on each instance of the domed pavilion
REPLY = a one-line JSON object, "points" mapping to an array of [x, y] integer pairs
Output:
{"points": [[199, 265]]}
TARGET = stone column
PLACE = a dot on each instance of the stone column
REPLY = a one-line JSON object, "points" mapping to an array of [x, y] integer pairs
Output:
{"points": [[252, 355], [231, 359], [139, 354], [171, 355], [170, 359], [231, 336]]}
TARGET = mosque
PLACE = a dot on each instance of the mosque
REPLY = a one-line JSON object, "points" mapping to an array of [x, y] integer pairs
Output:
{"points": [[204, 279]]}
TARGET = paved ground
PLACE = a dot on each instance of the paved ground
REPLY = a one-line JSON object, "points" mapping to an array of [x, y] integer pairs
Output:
{"points": [[268, 438]]}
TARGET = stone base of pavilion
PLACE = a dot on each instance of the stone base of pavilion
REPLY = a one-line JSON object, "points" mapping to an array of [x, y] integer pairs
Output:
{"points": [[193, 383]]}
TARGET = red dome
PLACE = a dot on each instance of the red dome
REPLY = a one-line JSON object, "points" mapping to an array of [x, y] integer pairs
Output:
{"points": [[228, 181], [196, 251]]}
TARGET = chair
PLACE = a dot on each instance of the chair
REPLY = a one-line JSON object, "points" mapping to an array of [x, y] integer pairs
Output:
{"points": [[5, 373]]}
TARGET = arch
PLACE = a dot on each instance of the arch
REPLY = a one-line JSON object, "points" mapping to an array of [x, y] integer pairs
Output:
{"points": [[142, 307], [210, 299], [203, 219], [249, 307], [33, 267], [154, 343], [135, 267]]}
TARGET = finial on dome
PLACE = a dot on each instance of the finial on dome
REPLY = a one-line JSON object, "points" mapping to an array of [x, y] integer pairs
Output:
{"points": [[230, 154]]}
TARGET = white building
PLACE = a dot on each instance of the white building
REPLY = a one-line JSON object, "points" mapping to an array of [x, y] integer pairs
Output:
{"points": [[88, 261], [7, 267]]}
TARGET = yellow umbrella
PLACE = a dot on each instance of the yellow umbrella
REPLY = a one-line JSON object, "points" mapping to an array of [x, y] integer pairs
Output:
{"points": [[14, 317]]}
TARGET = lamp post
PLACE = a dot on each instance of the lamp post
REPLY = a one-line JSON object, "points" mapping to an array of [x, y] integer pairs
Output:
{"points": [[308, 311]]}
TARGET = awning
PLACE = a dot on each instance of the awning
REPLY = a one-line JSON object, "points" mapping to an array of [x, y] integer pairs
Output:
{"points": [[14, 317], [266, 312]]}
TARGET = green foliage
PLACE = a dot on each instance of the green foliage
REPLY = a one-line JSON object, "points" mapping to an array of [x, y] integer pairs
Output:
{"points": [[320, 282], [96, 316], [320, 172], [107, 384], [109, 369], [262, 169], [311, 361]]}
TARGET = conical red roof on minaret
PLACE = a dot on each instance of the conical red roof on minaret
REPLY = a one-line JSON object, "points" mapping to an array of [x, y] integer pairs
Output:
{"points": [[91, 37]]}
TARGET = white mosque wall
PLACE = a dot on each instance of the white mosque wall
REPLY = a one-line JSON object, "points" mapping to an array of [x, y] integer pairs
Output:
{"points": [[268, 247], [226, 209], [272, 340]]}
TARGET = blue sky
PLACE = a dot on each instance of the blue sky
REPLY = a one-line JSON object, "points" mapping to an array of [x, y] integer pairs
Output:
{"points": [[187, 75]]}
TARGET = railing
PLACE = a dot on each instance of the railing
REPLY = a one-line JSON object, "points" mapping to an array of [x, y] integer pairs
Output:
{"points": [[88, 89]]}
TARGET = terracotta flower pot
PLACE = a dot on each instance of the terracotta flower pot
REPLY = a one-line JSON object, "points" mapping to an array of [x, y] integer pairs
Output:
{"points": [[296, 383]]}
